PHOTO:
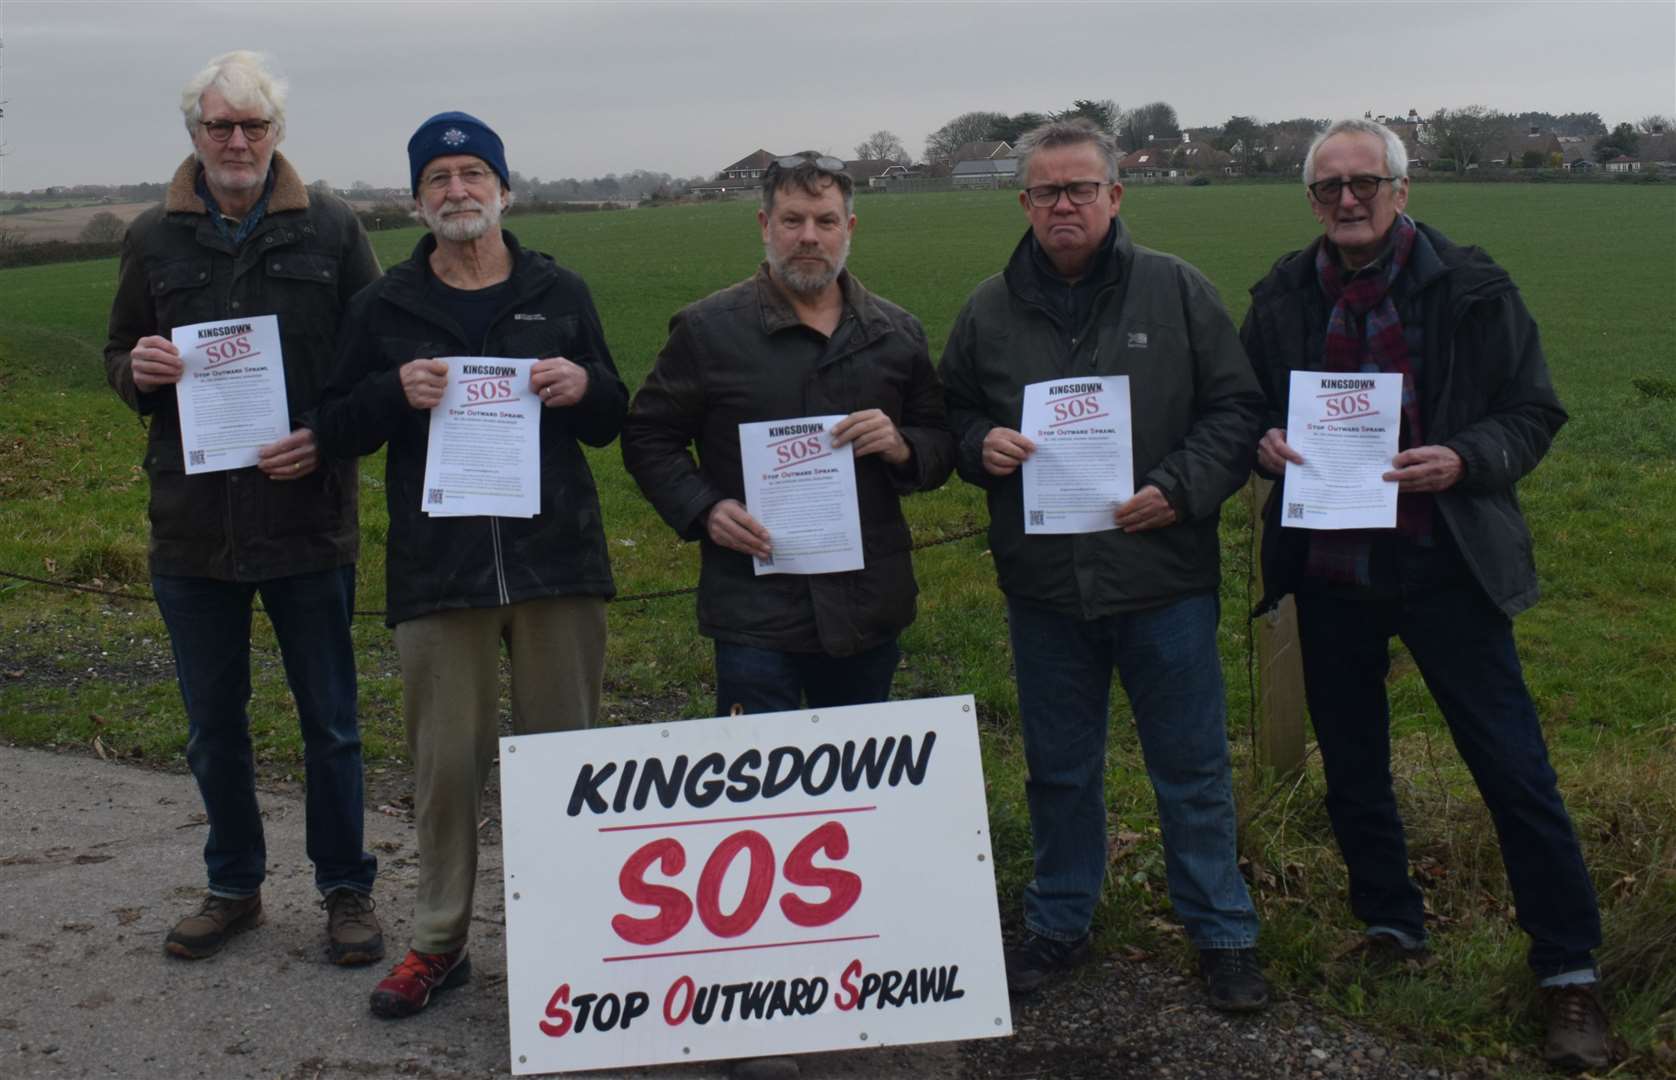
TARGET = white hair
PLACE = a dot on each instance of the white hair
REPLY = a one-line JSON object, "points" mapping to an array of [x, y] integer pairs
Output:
{"points": [[243, 78], [1396, 155]]}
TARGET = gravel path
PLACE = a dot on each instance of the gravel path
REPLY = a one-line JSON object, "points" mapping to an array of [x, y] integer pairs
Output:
{"points": [[1119, 1018]]}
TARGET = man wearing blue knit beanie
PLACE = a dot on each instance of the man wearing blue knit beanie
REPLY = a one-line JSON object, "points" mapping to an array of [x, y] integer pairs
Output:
{"points": [[459, 586]]}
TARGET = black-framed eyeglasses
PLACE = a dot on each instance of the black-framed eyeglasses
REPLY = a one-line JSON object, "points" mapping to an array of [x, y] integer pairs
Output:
{"points": [[1080, 192], [821, 162], [222, 130], [1362, 187]]}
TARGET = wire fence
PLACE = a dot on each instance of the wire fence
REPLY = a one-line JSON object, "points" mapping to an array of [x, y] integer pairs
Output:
{"points": [[661, 594]]}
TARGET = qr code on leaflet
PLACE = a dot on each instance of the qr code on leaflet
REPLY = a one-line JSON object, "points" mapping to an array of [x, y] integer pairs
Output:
{"points": [[1038, 517], [1294, 510], [433, 496], [195, 457], [766, 560]]}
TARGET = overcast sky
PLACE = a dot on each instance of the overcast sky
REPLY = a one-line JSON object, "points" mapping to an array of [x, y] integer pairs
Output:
{"points": [[583, 89]]}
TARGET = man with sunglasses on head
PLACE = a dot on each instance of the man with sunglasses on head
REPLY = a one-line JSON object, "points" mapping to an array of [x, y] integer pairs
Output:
{"points": [[460, 586], [1380, 292], [1078, 297], [800, 337], [239, 234]]}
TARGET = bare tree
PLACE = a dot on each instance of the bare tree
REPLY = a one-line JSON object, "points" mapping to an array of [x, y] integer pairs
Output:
{"points": [[103, 228], [941, 144], [1139, 126], [1462, 134], [883, 146], [1655, 124]]}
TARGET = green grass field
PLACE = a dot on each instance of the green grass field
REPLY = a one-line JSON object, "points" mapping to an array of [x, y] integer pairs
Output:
{"points": [[1597, 266]]}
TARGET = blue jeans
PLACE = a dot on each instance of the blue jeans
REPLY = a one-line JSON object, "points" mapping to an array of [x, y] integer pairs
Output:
{"points": [[767, 680], [1170, 669], [209, 628], [1463, 646]]}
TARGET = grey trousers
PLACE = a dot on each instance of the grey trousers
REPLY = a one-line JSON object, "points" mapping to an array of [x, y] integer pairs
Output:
{"points": [[450, 694]]}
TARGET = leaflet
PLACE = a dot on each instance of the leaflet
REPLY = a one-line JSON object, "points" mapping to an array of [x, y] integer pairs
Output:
{"points": [[232, 397], [802, 489], [1084, 466], [1345, 426], [484, 452]]}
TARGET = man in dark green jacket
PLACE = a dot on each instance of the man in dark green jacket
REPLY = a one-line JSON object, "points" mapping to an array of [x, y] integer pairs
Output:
{"points": [[1078, 298], [1379, 292], [800, 338], [461, 585], [239, 235]]}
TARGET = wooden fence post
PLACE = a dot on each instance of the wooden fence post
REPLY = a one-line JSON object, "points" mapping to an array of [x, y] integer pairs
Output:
{"points": [[1280, 673]]}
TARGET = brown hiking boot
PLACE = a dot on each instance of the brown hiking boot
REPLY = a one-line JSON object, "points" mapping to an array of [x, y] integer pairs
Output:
{"points": [[352, 929], [220, 917], [1578, 1035]]}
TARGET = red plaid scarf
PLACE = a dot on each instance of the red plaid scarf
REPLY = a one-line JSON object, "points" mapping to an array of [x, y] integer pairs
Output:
{"points": [[1365, 334]]}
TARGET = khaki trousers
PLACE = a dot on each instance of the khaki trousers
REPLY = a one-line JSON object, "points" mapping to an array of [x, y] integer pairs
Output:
{"points": [[450, 694]]}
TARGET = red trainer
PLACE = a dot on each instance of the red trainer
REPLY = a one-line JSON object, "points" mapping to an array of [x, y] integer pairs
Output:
{"points": [[408, 987]]}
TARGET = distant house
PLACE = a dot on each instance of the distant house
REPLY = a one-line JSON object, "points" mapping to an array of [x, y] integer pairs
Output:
{"points": [[893, 171], [986, 173], [1195, 157], [1512, 147], [865, 172], [1150, 162], [1577, 152], [1623, 163], [989, 150]]}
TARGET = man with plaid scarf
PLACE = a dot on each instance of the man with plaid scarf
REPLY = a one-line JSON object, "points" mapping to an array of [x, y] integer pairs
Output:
{"points": [[1379, 292]]}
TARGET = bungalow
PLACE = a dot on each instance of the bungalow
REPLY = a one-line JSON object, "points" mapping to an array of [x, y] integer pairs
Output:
{"points": [[999, 172]]}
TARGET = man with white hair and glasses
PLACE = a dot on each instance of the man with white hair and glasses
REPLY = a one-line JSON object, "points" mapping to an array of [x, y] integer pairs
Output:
{"points": [[460, 586], [1378, 292], [239, 234]]}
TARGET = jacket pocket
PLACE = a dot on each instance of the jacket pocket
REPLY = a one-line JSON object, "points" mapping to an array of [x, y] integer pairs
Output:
{"points": [[180, 292], [312, 506]]}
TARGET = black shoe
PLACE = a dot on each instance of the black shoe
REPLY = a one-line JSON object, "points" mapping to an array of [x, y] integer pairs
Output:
{"points": [[1037, 960], [1234, 979]]}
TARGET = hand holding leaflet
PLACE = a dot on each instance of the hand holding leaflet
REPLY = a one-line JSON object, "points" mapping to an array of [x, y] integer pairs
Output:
{"points": [[231, 397], [1083, 466], [484, 453], [1344, 425], [802, 489]]}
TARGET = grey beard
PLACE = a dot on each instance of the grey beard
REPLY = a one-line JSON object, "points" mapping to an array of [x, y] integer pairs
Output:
{"points": [[460, 230], [802, 282]]}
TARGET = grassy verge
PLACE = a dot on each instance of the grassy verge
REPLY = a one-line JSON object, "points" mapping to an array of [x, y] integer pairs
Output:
{"points": [[1596, 264]]}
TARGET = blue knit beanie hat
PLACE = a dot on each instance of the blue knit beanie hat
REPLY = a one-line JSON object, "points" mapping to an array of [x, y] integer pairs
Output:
{"points": [[451, 133]]}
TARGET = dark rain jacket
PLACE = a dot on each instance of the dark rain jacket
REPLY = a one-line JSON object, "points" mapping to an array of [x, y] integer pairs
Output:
{"points": [[1195, 410], [303, 263], [442, 563], [722, 367], [1484, 392]]}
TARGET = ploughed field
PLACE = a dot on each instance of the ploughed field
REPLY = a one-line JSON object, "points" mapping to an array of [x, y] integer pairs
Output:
{"points": [[1596, 264]]}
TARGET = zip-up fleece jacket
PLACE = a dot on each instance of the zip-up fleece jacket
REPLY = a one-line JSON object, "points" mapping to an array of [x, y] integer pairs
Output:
{"points": [[303, 262], [441, 563], [1194, 408], [1484, 392], [723, 365]]}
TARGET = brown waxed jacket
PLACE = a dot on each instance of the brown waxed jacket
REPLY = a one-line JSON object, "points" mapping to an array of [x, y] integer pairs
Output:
{"points": [[302, 263]]}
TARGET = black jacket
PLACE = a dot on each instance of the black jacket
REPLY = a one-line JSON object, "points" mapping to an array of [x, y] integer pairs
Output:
{"points": [[1484, 393], [724, 365], [303, 263], [1194, 409], [439, 563]]}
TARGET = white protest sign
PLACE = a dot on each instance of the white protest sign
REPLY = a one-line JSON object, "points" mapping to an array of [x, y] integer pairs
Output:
{"points": [[749, 885]]}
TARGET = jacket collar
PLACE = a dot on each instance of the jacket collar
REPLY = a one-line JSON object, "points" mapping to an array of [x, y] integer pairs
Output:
{"points": [[406, 282], [778, 314], [1111, 263], [290, 193]]}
